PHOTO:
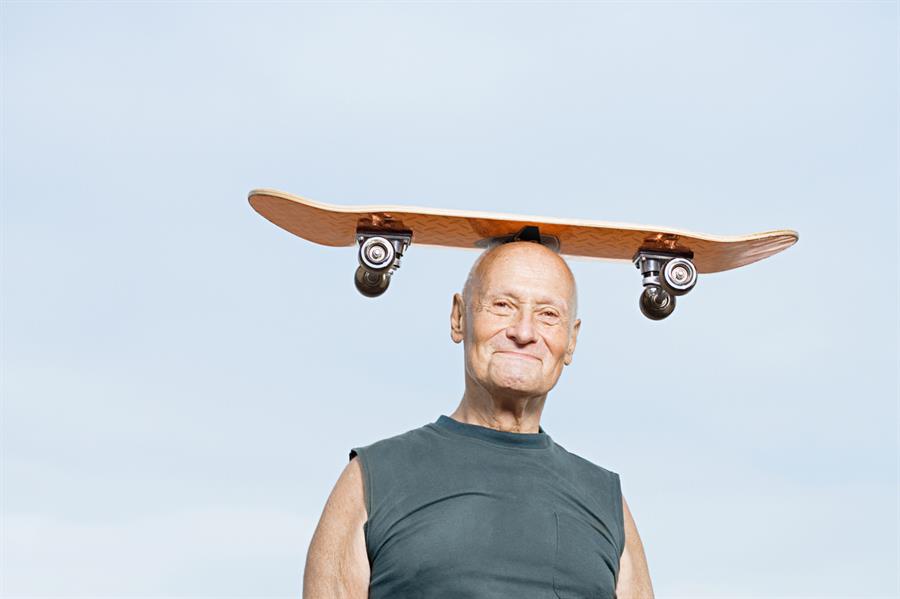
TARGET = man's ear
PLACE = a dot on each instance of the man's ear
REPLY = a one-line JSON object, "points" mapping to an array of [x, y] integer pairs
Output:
{"points": [[573, 339], [457, 319]]}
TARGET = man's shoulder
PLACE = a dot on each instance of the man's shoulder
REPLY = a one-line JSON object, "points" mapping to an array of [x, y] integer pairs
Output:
{"points": [[581, 463], [410, 441]]}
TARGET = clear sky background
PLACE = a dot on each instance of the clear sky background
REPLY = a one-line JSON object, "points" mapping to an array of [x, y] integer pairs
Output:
{"points": [[182, 380]]}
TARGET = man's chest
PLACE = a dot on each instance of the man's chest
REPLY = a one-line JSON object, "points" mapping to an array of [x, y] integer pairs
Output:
{"points": [[476, 542]]}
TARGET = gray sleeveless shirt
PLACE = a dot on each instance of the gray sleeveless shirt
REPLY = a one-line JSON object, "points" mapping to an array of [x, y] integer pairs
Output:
{"points": [[458, 510]]}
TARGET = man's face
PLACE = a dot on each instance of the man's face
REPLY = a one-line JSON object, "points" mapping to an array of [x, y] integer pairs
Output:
{"points": [[518, 328]]}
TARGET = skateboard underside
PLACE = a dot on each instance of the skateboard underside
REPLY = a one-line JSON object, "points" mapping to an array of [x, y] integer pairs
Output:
{"points": [[669, 259], [337, 226]]}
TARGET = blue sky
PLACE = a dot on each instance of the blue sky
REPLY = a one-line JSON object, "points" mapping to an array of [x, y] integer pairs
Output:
{"points": [[182, 381]]}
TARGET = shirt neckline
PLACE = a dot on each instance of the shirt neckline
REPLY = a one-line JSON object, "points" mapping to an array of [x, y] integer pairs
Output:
{"points": [[538, 440]]}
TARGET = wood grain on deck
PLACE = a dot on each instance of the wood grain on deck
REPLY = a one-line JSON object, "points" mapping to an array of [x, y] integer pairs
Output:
{"points": [[336, 226]]}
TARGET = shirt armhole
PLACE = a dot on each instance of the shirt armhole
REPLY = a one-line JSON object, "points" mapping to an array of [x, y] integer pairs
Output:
{"points": [[620, 512], [358, 452]]}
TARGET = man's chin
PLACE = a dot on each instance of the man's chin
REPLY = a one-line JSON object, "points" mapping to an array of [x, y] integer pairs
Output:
{"points": [[510, 383]]}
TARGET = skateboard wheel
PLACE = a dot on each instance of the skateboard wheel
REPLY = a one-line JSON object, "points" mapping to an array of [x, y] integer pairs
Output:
{"points": [[371, 284], [656, 303], [376, 253], [679, 276]]}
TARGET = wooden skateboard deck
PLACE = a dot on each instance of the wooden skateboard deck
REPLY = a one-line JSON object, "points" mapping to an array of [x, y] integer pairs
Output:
{"points": [[332, 225]]}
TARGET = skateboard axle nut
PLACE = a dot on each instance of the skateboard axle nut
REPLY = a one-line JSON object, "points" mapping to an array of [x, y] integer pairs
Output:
{"points": [[377, 253], [679, 275]]}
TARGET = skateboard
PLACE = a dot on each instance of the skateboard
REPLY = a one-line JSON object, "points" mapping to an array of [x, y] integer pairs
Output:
{"points": [[669, 260]]}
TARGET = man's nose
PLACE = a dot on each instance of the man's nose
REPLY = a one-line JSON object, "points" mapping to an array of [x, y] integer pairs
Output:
{"points": [[521, 330]]}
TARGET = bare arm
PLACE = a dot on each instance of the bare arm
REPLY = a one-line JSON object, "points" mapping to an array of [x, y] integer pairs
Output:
{"points": [[634, 577], [337, 566]]}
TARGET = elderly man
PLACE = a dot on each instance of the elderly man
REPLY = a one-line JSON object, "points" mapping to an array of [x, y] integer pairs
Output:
{"points": [[484, 503]]}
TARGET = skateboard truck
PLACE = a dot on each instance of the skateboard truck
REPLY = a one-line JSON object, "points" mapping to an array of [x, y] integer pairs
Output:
{"points": [[527, 233], [379, 256], [665, 276]]}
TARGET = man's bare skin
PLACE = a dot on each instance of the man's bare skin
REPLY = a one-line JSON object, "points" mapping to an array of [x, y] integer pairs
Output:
{"points": [[518, 324], [337, 565]]}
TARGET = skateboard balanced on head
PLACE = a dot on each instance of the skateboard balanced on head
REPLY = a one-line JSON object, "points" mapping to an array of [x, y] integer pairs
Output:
{"points": [[669, 260]]}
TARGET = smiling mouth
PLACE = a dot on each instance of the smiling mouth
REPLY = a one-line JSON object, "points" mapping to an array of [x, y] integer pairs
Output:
{"points": [[519, 355]]}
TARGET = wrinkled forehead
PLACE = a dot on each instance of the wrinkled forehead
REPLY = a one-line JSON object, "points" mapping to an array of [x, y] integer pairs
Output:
{"points": [[527, 270]]}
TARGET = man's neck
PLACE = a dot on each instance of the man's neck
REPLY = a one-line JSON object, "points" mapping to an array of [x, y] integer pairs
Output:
{"points": [[508, 414]]}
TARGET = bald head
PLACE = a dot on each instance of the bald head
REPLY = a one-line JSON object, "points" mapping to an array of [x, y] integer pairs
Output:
{"points": [[510, 253]]}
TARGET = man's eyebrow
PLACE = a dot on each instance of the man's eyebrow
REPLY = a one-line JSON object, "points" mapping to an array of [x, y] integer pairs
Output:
{"points": [[563, 304]]}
